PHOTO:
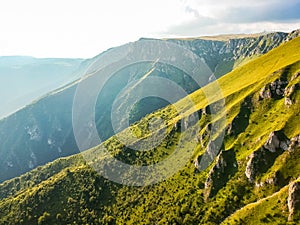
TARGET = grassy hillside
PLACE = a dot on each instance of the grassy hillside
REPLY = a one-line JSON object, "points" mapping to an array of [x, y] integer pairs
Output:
{"points": [[248, 183]]}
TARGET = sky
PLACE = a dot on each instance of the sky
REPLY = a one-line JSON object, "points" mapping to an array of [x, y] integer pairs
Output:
{"points": [[83, 29]]}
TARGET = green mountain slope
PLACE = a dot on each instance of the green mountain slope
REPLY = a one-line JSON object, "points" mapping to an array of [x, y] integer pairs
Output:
{"points": [[44, 127], [253, 180]]}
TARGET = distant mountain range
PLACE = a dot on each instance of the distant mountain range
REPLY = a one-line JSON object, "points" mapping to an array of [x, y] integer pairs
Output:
{"points": [[24, 79]]}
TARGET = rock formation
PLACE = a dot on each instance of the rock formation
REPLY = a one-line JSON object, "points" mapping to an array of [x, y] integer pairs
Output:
{"points": [[260, 160], [226, 166], [293, 199]]}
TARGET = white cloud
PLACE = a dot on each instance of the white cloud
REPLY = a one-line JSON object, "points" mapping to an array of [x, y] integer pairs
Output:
{"points": [[55, 28], [237, 16]]}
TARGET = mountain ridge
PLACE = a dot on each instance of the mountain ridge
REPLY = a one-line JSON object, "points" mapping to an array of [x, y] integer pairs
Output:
{"points": [[60, 103], [256, 98]]}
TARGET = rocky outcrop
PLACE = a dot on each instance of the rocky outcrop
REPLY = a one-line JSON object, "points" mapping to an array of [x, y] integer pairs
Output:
{"points": [[277, 140], [293, 35], [212, 150], [265, 93], [288, 93], [189, 121], [254, 160], [225, 167], [295, 142], [293, 199], [272, 143], [288, 101], [295, 76], [274, 90], [263, 158], [206, 111], [193, 118], [177, 125]]}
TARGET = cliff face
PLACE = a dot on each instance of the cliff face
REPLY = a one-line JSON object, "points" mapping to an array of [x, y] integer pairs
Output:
{"points": [[224, 55]]}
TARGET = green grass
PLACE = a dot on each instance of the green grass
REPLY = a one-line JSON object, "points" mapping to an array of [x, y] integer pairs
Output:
{"points": [[270, 210]]}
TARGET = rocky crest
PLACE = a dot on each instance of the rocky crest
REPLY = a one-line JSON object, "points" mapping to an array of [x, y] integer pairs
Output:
{"points": [[217, 54]]}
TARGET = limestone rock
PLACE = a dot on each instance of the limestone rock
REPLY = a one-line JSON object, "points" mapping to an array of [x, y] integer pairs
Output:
{"points": [[277, 140], [212, 150], [289, 90], [295, 142], [253, 163], [177, 125], [288, 93], [265, 93], [275, 90], [288, 101], [295, 76], [189, 121], [263, 158], [293, 199], [272, 143], [226, 166]]}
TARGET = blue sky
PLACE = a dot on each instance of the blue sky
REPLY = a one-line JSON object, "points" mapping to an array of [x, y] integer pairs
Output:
{"points": [[65, 28]]}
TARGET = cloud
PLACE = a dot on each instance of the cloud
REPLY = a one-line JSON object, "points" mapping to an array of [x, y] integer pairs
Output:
{"points": [[284, 12], [193, 27], [189, 9], [236, 15]]}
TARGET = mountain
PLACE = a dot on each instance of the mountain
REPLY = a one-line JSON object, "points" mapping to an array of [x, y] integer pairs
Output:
{"points": [[233, 163], [45, 129], [24, 79], [225, 52]]}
